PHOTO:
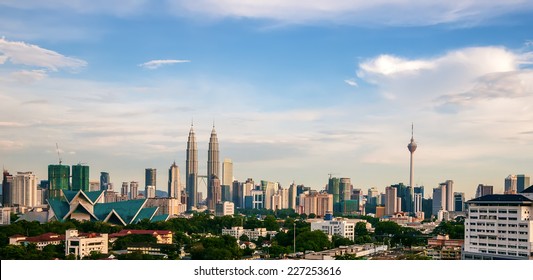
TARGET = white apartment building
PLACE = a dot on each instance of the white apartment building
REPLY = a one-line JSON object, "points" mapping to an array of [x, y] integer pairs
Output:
{"points": [[500, 227], [337, 226], [252, 234], [81, 245]]}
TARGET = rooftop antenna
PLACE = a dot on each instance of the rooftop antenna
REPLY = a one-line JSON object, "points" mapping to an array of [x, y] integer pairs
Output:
{"points": [[60, 161]]}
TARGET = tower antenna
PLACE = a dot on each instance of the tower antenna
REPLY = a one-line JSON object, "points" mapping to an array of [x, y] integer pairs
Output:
{"points": [[57, 148]]}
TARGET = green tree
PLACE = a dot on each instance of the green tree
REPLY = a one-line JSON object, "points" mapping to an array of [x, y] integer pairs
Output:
{"points": [[122, 242], [312, 240], [340, 241], [270, 223]]}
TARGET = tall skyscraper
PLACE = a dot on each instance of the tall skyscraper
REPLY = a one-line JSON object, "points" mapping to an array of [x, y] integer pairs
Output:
{"points": [[124, 189], [104, 181], [80, 178], [522, 182], [150, 179], [212, 162], [59, 178], [334, 189], [191, 167], [420, 190], [417, 203], [174, 182], [510, 185], [345, 187], [237, 194], [448, 195], [134, 189], [459, 199], [439, 199], [24, 190], [483, 190], [412, 148], [391, 200], [7, 182], [227, 172], [292, 196]]}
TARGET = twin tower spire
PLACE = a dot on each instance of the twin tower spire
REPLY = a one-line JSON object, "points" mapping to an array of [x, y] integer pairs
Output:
{"points": [[192, 175]]}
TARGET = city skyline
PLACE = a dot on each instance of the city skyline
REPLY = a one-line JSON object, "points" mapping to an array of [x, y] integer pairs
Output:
{"points": [[297, 90]]}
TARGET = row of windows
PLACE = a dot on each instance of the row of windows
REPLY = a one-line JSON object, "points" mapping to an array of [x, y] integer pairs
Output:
{"points": [[487, 217], [510, 246], [499, 238], [511, 253], [502, 211]]}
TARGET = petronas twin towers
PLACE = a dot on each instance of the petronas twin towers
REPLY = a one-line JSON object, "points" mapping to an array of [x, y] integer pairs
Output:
{"points": [[213, 164]]}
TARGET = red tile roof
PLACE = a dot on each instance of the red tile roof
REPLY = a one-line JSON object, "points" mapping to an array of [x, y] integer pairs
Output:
{"points": [[45, 237], [125, 232]]}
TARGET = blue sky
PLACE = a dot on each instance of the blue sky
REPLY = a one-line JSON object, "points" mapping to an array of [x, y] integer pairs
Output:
{"points": [[297, 89]]}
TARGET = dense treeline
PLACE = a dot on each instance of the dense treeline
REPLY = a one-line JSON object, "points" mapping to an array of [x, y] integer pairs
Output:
{"points": [[200, 237]]}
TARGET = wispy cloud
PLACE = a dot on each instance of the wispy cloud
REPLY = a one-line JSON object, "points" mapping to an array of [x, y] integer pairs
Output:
{"points": [[351, 82], [154, 64], [32, 55], [383, 12]]}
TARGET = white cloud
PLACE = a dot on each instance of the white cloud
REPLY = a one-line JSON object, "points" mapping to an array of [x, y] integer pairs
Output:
{"points": [[28, 76], [154, 64], [383, 12], [32, 55], [351, 82], [456, 72]]}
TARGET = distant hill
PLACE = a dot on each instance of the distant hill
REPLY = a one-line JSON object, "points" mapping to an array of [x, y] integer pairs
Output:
{"points": [[159, 193]]}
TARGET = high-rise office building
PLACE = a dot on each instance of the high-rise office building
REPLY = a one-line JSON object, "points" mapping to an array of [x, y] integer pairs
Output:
{"points": [[510, 185], [269, 189], [292, 196], [80, 178], [212, 163], [227, 172], [483, 190], [439, 199], [448, 196], [134, 190], [174, 182], [7, 181], [150, 179], [420, 190], [522, 182], [237, 195], [417, 203], [191, 167], [459, 199], [104, 181], [390, 200], [226, 193], [59, 178], [334, 189]]}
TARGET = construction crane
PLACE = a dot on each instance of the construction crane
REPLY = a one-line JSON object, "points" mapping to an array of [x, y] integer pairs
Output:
{"points": [[60, 161]]}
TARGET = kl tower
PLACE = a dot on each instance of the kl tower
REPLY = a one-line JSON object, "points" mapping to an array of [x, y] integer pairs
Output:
{"points": [[412, 148]]}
